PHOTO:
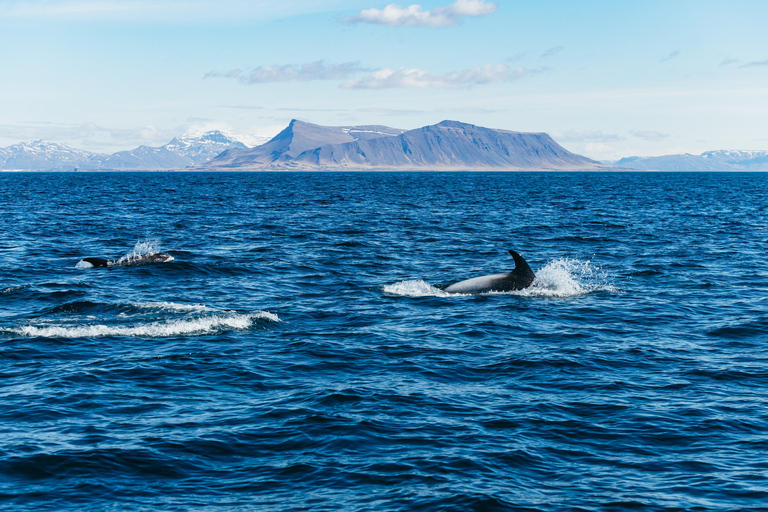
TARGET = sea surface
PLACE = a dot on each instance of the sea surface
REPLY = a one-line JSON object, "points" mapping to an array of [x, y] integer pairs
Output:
{"points": [[300, 353]]}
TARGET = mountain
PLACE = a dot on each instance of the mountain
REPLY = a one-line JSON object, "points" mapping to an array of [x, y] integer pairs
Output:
{"points": [[181, 152], [39, 154], [143, 158], [446, 145], [297, 138], [723, 160]]}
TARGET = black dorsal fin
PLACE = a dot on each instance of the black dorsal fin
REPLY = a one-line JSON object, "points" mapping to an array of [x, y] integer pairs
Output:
{"points": [[522, 271]]}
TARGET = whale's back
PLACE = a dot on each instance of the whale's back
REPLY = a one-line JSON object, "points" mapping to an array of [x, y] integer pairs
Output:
{"points": [[480, 284]]}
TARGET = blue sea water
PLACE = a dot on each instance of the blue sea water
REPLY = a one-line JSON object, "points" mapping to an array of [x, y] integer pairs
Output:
{"points": [[300, 354]]}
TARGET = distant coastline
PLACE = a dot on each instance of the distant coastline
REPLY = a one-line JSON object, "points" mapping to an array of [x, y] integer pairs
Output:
{"points": [[449, 146]]}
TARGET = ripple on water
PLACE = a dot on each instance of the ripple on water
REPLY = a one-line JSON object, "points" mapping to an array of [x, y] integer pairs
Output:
{"points": [[630, 375]]}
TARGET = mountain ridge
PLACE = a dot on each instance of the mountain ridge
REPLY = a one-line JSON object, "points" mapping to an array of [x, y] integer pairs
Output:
{"points": [[718, 160], [450, 145], [181, 152], [296, 138]]}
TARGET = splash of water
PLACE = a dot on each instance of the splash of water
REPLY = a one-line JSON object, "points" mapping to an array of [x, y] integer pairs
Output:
{"points": [[142, 248], [562, 278], [567, 277], [414, 288]]}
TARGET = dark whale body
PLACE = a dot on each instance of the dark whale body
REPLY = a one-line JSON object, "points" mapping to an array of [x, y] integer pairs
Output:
{"points": [[129, 261], [520, 278]]}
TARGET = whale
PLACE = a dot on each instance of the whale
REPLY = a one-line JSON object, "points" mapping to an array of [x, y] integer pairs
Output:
{"points": [[129, 261], [520, 278]]}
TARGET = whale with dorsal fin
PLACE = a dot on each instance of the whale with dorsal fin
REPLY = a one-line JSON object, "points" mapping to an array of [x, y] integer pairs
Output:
{"points": [[521, 277], [129, 261]]}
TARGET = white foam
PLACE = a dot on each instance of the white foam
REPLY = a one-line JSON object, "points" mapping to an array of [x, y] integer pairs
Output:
{"points": [[141, 248], [414, 288], [562, 278], [172, 306], [567, 278], [196, 326]]}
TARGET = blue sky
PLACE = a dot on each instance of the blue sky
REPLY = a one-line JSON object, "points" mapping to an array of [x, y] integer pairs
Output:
{"points": [[605, 78]]}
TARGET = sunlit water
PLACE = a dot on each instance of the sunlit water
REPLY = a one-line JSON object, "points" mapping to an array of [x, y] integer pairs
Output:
{"points": [[300, 353]]}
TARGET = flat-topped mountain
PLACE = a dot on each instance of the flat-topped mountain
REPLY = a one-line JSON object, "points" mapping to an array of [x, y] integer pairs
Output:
{"points": [[446, 145], [295, 139], [723, 160]]}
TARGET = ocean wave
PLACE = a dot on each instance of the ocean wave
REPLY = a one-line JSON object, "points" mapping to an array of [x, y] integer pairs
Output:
{"points": [[11, 289], [561, 278], [171, 306], [159, 329]]}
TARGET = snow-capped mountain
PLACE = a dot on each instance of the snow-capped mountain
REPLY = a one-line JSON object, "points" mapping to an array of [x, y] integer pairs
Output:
{"points": [[179, 153], [722, 160], [40, 154], [202, 148]]}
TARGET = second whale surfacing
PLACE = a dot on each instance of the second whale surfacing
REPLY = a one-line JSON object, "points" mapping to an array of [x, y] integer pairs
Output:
{"points": [[520, 278], [129, 261]]}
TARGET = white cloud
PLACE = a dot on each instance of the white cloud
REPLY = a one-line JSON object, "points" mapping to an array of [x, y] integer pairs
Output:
{"points": [[290, 73], [420, 79], [650, 135], [585, 136], [90, 135], [600, 151], [415, 15]]}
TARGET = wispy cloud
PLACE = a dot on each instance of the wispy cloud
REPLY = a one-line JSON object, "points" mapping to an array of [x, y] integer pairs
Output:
{"points": [[242, 107], [89, 134], [728, 61], [469, 110], [416, 16], [755, 63], [420, 79], [517, 57], [650, 135], [585, 136], [551, 52], [391, 111], [670, 56], [174, 11], [292, 73], [600, 151]]}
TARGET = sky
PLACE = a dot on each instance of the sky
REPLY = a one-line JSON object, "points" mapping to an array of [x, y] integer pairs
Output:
{"points": [[606, 78]]}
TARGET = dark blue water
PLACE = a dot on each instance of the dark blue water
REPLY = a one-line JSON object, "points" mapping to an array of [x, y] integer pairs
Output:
{"points": [[300, 354]]}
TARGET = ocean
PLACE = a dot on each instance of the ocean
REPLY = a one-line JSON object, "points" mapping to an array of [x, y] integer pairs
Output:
{"points": [[300, 353]]}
